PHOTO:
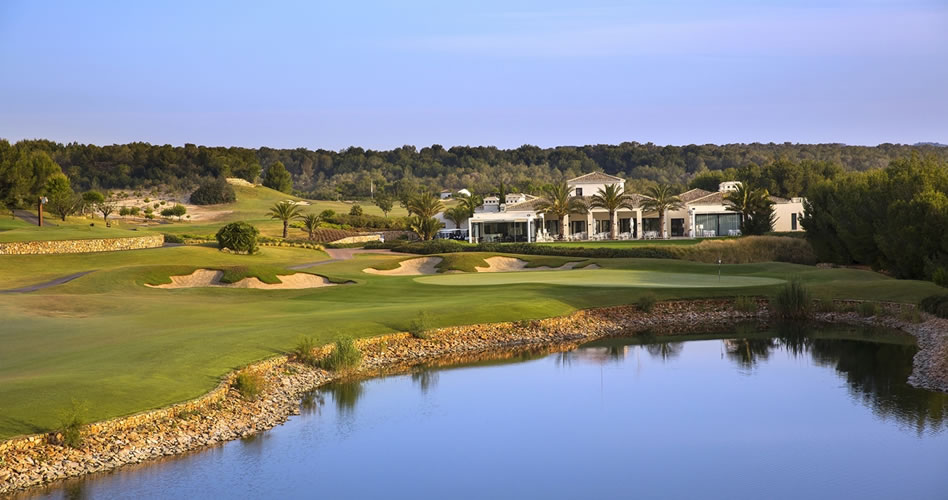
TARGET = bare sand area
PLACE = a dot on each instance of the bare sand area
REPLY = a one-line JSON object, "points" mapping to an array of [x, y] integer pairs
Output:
{"points": [[510, 264], [203, 278]]}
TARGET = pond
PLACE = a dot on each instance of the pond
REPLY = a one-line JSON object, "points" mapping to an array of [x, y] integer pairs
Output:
{"points": [[748, 415]]}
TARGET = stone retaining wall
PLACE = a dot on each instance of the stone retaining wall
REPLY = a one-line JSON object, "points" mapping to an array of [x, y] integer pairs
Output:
{"points": [[358, 239], [81, 246]]}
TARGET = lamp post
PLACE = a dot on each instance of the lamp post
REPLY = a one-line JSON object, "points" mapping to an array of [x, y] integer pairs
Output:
{"points": [[42, 201]]}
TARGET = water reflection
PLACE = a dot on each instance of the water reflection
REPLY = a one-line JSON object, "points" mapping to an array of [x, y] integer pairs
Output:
{"points": [[425, 378], [875, 371]]}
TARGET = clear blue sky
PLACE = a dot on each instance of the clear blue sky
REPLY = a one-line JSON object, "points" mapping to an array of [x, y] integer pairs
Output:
{"points": [[506, 72]]}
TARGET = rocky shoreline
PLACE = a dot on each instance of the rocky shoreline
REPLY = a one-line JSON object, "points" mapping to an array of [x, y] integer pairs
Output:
{"points": [[223, 415]]}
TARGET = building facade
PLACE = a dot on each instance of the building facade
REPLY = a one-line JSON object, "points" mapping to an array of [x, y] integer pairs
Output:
{"points": [[704, 214]]}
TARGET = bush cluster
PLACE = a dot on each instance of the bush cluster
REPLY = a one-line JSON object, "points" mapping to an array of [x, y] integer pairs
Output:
{"points": [[646, 302], [793, 301], [239, 237], [420, 326], [935, 304], [731, 251], [344, 356], [249, 384], [213, 192], [70, 424], [746, 304], [304, 351]]}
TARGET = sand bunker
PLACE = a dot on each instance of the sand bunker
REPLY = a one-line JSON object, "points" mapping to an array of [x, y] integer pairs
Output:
{"points": [[210, 278], [410, 267], [509, 264]]}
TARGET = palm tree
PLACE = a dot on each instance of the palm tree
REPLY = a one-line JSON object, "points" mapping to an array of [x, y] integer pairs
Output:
{"points": [[612, 198], [755, 207], [470, 202], [661, 199], [424, 205], [558, 203], [457, 214], [311, 222], [285, 211]]}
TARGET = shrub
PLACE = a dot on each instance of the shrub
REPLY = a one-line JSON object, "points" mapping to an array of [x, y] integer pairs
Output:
{"points": [[793, 301], [935, 304], [70, 424], [746, 304], [646, 302], [356, 210], [239, 237], [124, 211], [826, 306], [420, 326], [304, 351], [173, 238], [867, 309], [249, 384], [214, 192], [910, 314], [940, 277], [344, 356]]}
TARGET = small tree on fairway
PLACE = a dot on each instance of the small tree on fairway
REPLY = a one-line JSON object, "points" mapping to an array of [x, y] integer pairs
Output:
{"points": [[62, 200], [239, 237], [356, 210], [311, 223], [106, 208], [91, 199], [285, 211], [384, 202]]}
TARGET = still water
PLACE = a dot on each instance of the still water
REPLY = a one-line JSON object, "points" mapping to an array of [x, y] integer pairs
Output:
{"points": [[828, 415]]}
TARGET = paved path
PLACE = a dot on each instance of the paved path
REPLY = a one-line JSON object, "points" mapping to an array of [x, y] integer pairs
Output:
{"points": [[33, 219], [40, 286], [340, 254]]}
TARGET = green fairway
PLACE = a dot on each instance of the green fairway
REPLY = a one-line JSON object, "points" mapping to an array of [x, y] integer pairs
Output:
{"points": [[252, 206], [630, 243], [600, 278], [107, 339]]}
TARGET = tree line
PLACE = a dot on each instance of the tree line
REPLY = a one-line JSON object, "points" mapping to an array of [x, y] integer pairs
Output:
{"points": [[893, 219], [357, 173]]}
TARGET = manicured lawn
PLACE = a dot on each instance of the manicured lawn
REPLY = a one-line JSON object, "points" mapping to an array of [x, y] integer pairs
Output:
{"points": [[252, 205], [107, 339], [630, 243], [600, 278]]}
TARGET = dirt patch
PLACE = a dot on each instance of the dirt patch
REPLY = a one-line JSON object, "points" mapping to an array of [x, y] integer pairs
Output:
{"points": [[410, 267], [510, 264], [203, 278]]}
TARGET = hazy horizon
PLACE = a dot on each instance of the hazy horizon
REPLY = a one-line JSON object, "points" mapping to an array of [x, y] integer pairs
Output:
{"points": [[501, 73]]}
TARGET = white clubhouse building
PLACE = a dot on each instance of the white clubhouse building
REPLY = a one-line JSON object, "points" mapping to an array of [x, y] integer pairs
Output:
{"points": [[704, 214]]}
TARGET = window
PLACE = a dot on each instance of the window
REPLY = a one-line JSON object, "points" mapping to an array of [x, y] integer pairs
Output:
{"points": [[793, 222], [579, 191]]}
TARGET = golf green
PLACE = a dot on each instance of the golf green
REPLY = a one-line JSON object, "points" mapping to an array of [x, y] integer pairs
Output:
{"points": [[600, 277]]}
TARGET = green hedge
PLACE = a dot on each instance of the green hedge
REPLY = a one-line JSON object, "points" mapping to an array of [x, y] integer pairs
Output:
{"points": [[935, 304]]}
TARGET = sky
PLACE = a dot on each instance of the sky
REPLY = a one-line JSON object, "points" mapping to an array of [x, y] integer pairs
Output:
{"points": [[381, 74]]}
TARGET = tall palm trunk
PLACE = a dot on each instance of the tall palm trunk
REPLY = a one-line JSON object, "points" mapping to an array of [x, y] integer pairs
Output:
{"points": [[661, 224], [564, 223], [612, 225], [286, 225]]}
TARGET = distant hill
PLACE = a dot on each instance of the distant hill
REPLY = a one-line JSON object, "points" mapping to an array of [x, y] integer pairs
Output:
{"points": [[935, 144]]}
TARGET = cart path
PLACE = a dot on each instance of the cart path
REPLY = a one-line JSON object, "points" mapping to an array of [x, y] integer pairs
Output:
{"points": [[341, 254], [40, 286], [33, 219]]}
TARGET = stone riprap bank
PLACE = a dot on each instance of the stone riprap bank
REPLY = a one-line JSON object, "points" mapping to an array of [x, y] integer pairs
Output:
{"points": [[81, 246]]}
